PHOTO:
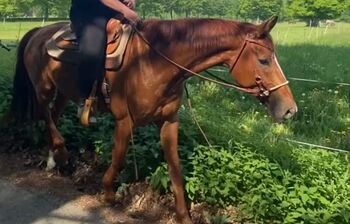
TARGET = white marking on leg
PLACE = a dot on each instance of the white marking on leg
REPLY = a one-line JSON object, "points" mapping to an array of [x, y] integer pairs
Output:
{"points": [[50, 162]]}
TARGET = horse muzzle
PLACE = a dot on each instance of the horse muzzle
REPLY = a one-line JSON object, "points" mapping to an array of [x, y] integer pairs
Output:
{"points": [[280, 108]]}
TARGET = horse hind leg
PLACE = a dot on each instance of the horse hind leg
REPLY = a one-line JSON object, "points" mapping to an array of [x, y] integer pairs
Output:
{"points": [[45, 94], [56, 112]]}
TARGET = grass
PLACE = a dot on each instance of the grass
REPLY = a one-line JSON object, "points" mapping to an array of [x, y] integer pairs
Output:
{"points": [[14, 31], [314, 53], [320, 54], [299, 34]]}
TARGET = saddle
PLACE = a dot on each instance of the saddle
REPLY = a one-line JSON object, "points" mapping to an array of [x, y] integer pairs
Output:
{"points": [[64, 46]]}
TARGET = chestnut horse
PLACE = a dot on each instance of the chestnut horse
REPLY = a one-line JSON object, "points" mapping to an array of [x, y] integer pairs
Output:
{"points": [[148, 87]]}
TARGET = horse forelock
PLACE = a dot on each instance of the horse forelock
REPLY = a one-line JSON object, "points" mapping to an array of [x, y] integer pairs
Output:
{"points": [[201, 34]]}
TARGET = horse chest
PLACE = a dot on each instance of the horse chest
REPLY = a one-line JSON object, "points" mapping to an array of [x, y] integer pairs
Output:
{"points": [[147, 110]]}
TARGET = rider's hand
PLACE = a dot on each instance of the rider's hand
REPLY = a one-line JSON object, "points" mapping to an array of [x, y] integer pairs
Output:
{"points": [[122, 7], [131, 4], [131, 16]]}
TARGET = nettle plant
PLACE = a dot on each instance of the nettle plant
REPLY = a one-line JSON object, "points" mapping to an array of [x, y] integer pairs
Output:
{"points": [[317, 191]]}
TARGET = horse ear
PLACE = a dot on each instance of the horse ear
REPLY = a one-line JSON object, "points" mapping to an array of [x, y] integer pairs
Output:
{"points": [[266, 27]]}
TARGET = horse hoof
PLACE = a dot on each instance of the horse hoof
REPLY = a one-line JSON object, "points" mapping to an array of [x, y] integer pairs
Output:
{"points": [[185, 220], [68, 168], [61, 157], [188, 221]]}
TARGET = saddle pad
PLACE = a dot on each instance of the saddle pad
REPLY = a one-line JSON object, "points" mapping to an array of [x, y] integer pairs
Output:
{"points": [[63, 45]]}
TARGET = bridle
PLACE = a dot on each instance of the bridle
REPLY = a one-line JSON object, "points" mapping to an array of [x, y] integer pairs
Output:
{"points": [[260, 90]]}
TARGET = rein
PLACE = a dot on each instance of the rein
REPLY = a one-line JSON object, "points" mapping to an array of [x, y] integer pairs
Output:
{"points": [[258, 90]]}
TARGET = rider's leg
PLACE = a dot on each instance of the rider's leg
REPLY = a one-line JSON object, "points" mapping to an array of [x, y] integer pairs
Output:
{"points": [[92, 47]]}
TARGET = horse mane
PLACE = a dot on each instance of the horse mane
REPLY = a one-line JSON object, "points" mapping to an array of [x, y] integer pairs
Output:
{"points": [[201, 34]]}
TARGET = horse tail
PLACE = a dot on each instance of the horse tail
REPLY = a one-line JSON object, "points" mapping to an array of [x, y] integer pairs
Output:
{"points": [[23, 94]]}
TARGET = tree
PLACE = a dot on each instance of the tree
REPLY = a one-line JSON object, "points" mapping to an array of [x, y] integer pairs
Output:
{"points": [[346, 15], [36, 8], [149, 8], [52, 7], [189, 7], [232, 8], [316, 10], [259, 9], [248, 9], [7, 7]]}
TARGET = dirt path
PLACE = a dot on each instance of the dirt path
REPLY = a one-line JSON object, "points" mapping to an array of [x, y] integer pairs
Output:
{"points": [[31, 195], [21, 206]]}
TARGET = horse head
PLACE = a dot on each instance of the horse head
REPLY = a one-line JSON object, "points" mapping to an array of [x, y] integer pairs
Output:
{"points": [[256, 67]]}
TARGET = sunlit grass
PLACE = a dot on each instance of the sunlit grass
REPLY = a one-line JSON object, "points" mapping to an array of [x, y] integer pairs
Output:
{"points": [[14, 31], [299, 33]]}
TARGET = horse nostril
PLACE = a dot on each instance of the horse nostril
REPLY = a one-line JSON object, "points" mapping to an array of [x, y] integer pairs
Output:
{"points": [[290, 113]]}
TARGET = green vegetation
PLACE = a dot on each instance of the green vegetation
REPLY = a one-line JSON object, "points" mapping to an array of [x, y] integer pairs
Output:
{"points": [[266, 192], [317, 9], [245, 9], [251, 166], [255, 9], [43, 8]]}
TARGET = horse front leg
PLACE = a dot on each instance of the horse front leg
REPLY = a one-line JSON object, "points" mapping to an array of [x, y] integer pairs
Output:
{"points": [[169, 140], [121, 140]]}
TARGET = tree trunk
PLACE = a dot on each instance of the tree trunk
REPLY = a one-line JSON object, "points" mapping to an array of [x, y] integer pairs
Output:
{"points": [[313, 23]]}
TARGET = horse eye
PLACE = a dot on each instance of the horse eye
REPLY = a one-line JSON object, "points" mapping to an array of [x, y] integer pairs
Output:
{"points": [[264, 61]]}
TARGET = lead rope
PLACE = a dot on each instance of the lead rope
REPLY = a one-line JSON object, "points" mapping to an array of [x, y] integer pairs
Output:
{"points": [[189, 103], [215, 76], [133, 150]]}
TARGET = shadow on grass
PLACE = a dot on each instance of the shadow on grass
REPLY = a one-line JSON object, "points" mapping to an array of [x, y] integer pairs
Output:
{"points": [[323, 117]]}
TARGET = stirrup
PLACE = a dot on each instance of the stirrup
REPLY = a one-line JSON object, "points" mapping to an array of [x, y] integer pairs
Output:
{"points": [[87, 115], [89, 108]]}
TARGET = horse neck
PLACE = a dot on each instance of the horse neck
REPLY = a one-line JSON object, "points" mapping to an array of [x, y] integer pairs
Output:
{"points": [[196, 44]]}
